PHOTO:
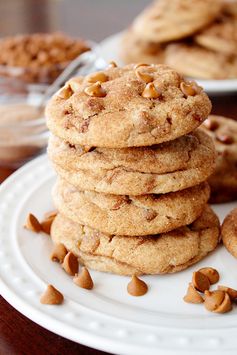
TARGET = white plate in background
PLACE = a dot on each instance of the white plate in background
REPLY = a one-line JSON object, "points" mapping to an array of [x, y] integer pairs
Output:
{"points": [[109, 50]]}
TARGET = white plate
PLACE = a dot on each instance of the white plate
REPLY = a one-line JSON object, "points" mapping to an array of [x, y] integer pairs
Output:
{"points": [[110, 51], [106, 318]]}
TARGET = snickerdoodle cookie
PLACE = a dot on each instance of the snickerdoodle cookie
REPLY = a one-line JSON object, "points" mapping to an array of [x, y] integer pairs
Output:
{"points": [[198, 62], [167, 167], [134, 49], [165, 21], [158, 254], [131, 215], [229, 232], [125, 107], [223, 181], [221, 36]]}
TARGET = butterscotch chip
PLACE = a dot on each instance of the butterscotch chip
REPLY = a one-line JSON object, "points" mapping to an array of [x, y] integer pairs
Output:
{"points": [[210, 124], [84, 279], [33, 224], [137, 287], [212, 274], [224, 138], [147, 78], [217, 301], [70, 264], [151, 92], [200, 281], [51, 296], [231, 292], [74, 85], [95, 90], [192, 296], [97, 76], [46, 225], [59, 252], [50, 214]]}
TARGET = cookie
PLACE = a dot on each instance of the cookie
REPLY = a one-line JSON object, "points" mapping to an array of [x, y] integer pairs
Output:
{"points": [[221, 36], [158, 254], [131, 215], [229, 232], [223, 181], [167, 167], [198, 62], [165, 20], [131, 107], [133, 49]]}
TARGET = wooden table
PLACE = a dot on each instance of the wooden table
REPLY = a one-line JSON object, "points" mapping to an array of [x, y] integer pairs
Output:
{"points": [[90, 19]]}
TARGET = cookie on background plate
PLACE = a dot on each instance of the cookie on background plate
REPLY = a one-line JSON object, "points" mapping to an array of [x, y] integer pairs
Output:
{"points": [[166, 20], [134, 49], [198, 62], [223, 181], [220, 36], [229, 232], [131, 106], [158, 254], [167, 167], [131, 215]]}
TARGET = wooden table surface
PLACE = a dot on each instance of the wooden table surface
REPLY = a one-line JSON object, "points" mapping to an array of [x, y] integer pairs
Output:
{"points": [[89, 19]]}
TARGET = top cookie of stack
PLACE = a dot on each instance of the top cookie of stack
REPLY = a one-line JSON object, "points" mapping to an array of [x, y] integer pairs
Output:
{"points": [[137, 105], [197, 38]]}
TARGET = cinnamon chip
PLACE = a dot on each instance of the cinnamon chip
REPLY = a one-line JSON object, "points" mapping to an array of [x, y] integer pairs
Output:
{"points": [[84, 279], [141, 65], [147, 78], [50, 214], [46, 225], [112, 64], [200, 281], [212, 274], [189, 89], [70, 264], [95, 90], [192, 295], [51, 296], [98, 76], [59, 252], [151, 92], [137, 287], [231, 292], [217, 301], [33, 224]]}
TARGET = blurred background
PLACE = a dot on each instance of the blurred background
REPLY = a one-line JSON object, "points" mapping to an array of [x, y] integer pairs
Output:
{"points": [[93, 19]]}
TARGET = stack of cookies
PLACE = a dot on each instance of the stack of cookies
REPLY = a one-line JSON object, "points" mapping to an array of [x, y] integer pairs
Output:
{"points": [[132, 169], [197, 38]]}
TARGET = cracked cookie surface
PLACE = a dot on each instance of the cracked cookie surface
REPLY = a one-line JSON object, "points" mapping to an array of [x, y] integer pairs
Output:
{"points": [[223, 181], [229, 232], [167, 167], [158, 254], [133, 106], [131, 215]]}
